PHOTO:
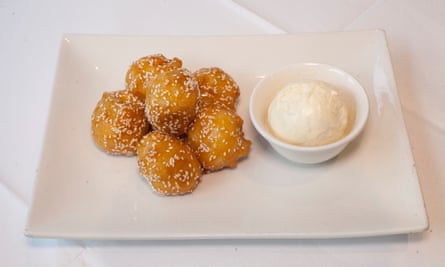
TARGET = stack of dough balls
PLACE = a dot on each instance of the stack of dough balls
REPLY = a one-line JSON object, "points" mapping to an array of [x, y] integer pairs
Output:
{"points": [[180, 124]]}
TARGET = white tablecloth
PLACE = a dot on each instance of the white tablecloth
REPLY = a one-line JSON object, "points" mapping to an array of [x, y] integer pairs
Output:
{"points": [[30, 36]]}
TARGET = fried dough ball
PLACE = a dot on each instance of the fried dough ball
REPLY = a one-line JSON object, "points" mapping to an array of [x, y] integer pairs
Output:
{"points": [[118, 122], [146, 68], [172, 102], [217, 87], [216, 136], [168, 164]]}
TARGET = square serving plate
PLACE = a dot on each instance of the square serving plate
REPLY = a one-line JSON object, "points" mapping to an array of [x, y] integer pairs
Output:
{"points": [[370, 189]]}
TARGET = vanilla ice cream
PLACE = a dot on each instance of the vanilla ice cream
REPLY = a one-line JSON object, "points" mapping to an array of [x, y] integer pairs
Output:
{"points": [[308, 113]]}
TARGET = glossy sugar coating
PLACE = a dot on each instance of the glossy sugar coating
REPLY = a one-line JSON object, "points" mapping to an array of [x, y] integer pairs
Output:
{"points": [[172, 101], [118, 122], [146, 68], [168, 164], [217, 138], [217, 88]]}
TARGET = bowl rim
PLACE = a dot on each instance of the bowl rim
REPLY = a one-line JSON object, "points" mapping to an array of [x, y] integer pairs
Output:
{"points": [[353, 133]]}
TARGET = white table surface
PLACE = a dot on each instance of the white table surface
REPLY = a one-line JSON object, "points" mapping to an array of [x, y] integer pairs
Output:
{"points": [[30, 36]]}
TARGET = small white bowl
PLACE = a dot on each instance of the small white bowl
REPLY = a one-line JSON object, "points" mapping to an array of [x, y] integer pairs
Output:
{"points": [[265, 91]]}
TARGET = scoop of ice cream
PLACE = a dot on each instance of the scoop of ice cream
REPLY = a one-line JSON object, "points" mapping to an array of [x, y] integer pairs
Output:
{"points": [[308, 113]]}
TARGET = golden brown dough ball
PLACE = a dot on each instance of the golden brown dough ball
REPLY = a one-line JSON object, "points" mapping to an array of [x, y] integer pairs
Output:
{"points": [[146, 68], [217, 87], [216, 136], [172, 101], [118, 122], [170, 165]]}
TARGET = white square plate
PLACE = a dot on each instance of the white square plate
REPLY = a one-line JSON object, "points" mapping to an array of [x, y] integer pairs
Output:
{"points": [[370, 189]]}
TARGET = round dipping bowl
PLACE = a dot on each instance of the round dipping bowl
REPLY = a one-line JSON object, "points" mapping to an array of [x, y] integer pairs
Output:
{"points": [[349, 88]]}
